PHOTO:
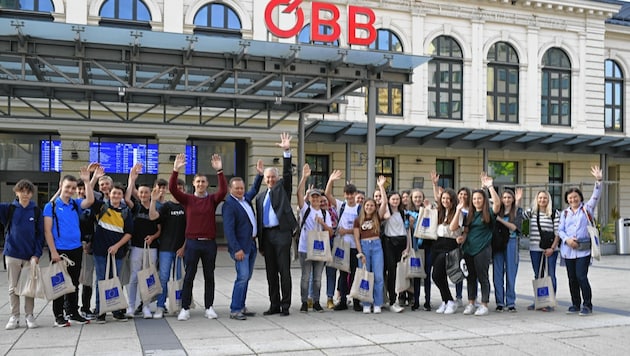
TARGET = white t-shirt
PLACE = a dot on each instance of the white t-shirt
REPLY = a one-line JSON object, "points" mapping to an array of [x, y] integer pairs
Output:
{"points": [[346, 221], [310, 224]]}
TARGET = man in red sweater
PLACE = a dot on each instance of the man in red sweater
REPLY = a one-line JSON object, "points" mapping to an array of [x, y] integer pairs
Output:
{"points": [[200, 232]]}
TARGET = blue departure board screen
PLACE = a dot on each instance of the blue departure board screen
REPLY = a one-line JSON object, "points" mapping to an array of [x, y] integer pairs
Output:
{"points": [[191, 159], [119, 157], [50, 155]]}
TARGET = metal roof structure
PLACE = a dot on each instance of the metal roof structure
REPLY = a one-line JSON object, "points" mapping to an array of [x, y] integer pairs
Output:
{"points": [[466, 138], [70, 65]]}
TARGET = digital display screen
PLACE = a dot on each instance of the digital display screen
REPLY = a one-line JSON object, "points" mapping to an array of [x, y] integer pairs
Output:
{"points": [[50, 155], [119, 157], [191, 160]]}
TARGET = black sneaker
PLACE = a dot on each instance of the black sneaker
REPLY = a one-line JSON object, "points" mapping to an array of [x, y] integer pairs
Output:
{"points": [[512, 309], [100, 319], [76, 318], [427, 306], [304, 308], [88, 314], [138, 311], [318, 308], [61, 322], [120, 316], [341, 306], [499, 309]]}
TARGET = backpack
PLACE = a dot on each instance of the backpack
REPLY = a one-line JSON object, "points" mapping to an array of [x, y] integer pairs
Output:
{"points": [[306, 213], [500, 237], [343, 207]]}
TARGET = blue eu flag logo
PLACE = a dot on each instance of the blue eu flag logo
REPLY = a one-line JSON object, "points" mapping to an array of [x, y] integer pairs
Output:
{"points": [[151, 281], [57, 279], [365, 284], [414, 262], [542, 292], [318, 245], [339, 253], [111, 293], [178, 294]]}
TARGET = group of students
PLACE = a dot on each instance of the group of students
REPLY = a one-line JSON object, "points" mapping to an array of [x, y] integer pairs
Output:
{"points": [[380, 231]]}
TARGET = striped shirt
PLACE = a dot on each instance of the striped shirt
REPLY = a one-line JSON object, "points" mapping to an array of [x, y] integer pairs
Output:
{"points": [[545, 224]]}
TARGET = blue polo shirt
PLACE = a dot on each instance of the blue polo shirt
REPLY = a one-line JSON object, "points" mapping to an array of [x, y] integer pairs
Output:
{"points": [[68, 235]]}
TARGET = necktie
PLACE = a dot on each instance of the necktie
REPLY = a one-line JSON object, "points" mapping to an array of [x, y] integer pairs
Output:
{"points": [[266, 209]]}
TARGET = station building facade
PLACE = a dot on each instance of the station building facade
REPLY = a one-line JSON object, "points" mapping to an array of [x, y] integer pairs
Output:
{"points": [[532, 91]]}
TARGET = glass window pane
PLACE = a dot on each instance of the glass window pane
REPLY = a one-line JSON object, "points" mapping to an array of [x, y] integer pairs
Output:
{"points": [[125, 10], [201, 17], [143, 12], [107, 10]]}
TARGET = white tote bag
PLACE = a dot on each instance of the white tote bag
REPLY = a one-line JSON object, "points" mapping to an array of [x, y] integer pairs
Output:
{"points": [[148, 278], [56, 279], [363, 285], [175, 287], [318, 246], [30, 282], [415, 264], [544, 295], [426, 226], [340, 255], [111, 297], [402, 269]]}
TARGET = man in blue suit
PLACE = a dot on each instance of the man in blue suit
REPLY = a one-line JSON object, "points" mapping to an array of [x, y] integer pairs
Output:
{"points": [[239, 226]]}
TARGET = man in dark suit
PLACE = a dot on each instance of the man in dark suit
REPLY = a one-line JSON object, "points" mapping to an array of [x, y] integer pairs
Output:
{"points": [[276, 223], [239, 226]]}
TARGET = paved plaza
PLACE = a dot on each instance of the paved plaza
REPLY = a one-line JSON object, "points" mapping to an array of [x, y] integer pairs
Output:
{"points": [[606, 332]]}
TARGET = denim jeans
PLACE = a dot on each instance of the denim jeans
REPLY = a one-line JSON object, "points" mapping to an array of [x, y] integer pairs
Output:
{"points": [[206, 251], [504, 268], [536, 257], [314, 268], [135, 259], [577, 271], [100, 264], [244, 272], [166, 259], [331, 281], [374, 261]]}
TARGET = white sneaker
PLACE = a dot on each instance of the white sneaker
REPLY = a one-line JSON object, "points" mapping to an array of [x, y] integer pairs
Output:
{"points": [[159, 313], [482, 310], [396, 308], [211, 314], [183, 315], [469, 310], [30, 322], [13, 323], [146, 312], [451, 307], [441, 308], [377, 310], [367, 309], [130, 311]]}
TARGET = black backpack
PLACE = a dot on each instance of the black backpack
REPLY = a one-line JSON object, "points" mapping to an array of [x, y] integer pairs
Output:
{"points": [[500, 237]]}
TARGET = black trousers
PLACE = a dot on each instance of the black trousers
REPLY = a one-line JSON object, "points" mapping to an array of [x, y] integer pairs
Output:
{"points": [[277, 250], [71, 300], [392, 249]]}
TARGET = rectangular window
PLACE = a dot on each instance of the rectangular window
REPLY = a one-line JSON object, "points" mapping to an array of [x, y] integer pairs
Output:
{"points": [[556, 179], [319, 170], [385, 166], [33, 152], [505, 174], [446, 169]]}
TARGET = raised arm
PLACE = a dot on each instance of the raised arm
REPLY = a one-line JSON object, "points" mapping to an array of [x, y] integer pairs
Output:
{"points": [[89, 193], [335, 175], [260, 169], [217, 164], [435, 178], [486, 182], [597, 189], [287, 168], [134, 172], [180, 161], [383, 211], [306, 172], [156, 195]]}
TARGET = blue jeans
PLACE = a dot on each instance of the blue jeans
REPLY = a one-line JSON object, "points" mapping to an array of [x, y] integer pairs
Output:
{"points": [[244, 272], [314, 269], [331, 281], [577, 271], [374, 261], [100, 264], [536, 257], [166, 260], [206, 251], [505, 263]]}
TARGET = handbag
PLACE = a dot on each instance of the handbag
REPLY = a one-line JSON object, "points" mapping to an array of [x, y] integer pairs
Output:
{"points": [[544, 294], [56, 279], [426, 226], [318, 246], [111, 297], [175, 287], [86, 277], [363, 285], [593, 233], [415, 264], [149, 284], [500, 237], [340, 255], [456, 268], [30, 282], [546, 237], [402, 269]]}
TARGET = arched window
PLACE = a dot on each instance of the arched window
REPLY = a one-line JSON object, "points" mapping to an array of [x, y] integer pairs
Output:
{"points": [[445, 79], [502, 97], [305, 36], [555, 101], [125, 13], [27, 9], [613, 94], [217, 19], [389, 98]]}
